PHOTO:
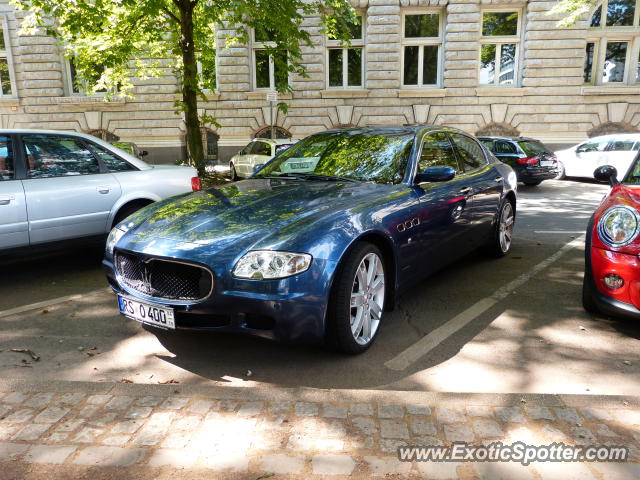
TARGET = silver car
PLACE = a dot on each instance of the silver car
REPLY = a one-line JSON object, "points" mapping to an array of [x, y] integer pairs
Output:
{"points": [[56, 186], [257, 152]]}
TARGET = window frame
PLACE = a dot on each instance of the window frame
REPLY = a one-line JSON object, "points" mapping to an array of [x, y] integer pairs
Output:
{"points": [[332, 44], [261, 46], [421, 42], [602, 35], [7, 54], [468, 168], [500, 40]]}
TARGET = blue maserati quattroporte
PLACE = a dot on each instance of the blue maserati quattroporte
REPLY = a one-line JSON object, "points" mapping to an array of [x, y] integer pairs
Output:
{"points": [[319, 242]]}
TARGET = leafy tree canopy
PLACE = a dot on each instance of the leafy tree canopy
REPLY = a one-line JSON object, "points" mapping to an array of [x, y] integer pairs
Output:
{"points": [[112, 41]]}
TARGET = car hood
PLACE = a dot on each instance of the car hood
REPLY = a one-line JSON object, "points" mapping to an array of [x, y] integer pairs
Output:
{"points": [[244, 212]]}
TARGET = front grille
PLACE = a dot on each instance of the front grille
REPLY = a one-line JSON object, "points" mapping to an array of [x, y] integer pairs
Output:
{"points": [[165, 279]]}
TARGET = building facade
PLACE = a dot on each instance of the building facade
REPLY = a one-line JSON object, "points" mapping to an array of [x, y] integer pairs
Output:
{"points": [[485, 66]]}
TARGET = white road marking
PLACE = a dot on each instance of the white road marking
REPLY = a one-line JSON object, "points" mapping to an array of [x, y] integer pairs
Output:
{"points": [[427, 343], [49, 303]]}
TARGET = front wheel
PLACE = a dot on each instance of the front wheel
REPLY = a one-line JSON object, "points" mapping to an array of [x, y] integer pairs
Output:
{"points": [[357, 301], [233, 173], [561, 173], [500, 242]]}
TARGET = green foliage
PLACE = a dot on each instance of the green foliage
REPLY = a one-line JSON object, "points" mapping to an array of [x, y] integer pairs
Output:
{"points": [[114, 41], [572, 10]]}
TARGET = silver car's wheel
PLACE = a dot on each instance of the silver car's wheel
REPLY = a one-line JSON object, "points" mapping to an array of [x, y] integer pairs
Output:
{"points": [[232, 171], [367, 299], [561, 173], [505, 227]]}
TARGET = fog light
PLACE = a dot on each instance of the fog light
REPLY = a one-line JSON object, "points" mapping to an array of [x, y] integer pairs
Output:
{"points": [[613, 281]]}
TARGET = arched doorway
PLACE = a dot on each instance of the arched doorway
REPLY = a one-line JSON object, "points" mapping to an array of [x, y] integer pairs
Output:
{"points": [[498, 130], [279, 132], [210, 144], [105, 135], [608, 128]]}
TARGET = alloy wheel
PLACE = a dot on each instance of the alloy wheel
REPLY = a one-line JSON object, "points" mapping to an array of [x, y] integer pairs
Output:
{"points": [[367, 298], [506, 227]]}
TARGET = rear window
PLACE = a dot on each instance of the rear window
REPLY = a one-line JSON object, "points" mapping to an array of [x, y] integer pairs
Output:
{"points": [[533, 148]]}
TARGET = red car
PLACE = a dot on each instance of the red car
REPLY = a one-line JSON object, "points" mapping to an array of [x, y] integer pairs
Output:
{"points": [[612, 265]]}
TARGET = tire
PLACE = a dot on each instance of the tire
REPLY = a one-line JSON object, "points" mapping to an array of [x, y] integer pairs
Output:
{"points": [[500, 242], [588, 300], [127, 211], [561, 173], [533, 184], [351, 286], [233, 173]]}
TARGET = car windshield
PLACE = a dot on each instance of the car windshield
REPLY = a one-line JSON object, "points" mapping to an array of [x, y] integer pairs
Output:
{"points": [[532, 148], [633, 176], [353, 155]]}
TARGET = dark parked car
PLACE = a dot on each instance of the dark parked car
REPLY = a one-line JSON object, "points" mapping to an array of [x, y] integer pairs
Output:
{"points": [[612, 272], [532, 161], [320, 241]]}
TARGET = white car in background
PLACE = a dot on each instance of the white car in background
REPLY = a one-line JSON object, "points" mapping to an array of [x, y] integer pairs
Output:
{"points": [[59, 186], [617, 150], [258, 151]]}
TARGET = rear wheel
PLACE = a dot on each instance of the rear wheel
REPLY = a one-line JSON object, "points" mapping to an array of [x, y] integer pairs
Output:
{"points": [[233, 173], [127, 211], [357, 300], [561, 174], [500, 242], [534, 183]]}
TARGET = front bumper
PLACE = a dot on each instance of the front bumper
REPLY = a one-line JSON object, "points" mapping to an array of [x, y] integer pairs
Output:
{"points": [[280, 310], [624, 301]]}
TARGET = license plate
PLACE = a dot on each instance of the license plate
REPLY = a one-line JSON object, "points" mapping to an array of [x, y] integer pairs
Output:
{"points": [[147, 313], [547, 163]]}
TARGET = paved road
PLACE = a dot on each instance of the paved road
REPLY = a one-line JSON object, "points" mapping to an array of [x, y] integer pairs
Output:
{"points": [[445, 336]]}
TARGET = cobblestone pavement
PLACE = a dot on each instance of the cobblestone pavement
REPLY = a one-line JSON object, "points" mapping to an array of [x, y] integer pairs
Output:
{"points": [[73, 429]]}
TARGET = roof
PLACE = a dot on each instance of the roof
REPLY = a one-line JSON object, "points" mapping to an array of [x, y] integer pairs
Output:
{"points": [[509, 139], [395, 130]]}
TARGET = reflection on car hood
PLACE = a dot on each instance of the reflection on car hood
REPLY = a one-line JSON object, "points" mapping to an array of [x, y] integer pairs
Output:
{"points": [[248, 210]]}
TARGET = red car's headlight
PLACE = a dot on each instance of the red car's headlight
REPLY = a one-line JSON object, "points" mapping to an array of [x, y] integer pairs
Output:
{"points": [[619, 226]]}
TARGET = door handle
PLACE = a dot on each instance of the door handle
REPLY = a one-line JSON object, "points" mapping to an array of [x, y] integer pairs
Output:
{"points": [[6, 199], [466, 190], [104, 189], [499, 179]]}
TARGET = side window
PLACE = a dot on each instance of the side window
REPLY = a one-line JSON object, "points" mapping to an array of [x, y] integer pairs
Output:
{"points": [[489, 144], [437, 151], [593, 146], [636, 147], [262, 148], [625, 145], [470, 151], [57, 156], [505, 147], [110, 161], [7, 164]]}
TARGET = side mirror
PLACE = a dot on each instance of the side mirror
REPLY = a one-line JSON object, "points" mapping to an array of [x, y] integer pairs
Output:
{"points": [[258, 167], [435, 174], [606, 174], [144, 153]]}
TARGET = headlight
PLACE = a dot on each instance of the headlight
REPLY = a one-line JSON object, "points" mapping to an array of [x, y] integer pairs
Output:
{"points": [[267, 264], [114, 235], [619, 226]]}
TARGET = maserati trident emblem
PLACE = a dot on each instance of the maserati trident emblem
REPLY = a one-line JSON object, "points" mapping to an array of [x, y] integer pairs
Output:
{"points": [[145, 282]]}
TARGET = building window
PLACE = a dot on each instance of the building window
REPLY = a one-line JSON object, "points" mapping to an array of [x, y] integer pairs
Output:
{"points": [[344, 64], [7, 77], [421, 49], [613, 45], [270, 69], [499, 47], [207, 75], [209, 144], [78, 86]]}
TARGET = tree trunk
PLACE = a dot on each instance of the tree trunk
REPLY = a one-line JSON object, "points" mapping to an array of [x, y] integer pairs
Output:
{"points": [[195, 151]]}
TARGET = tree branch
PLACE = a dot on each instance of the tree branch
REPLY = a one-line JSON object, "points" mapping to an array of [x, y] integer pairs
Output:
{"points": [[171, 14]]}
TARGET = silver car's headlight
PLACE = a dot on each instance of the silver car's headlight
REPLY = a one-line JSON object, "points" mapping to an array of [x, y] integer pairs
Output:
{"points": [[114, 235], [619, 226], [268, 264]]}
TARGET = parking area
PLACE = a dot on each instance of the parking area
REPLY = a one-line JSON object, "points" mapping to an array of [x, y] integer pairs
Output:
{"points": [[482, 325]]}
